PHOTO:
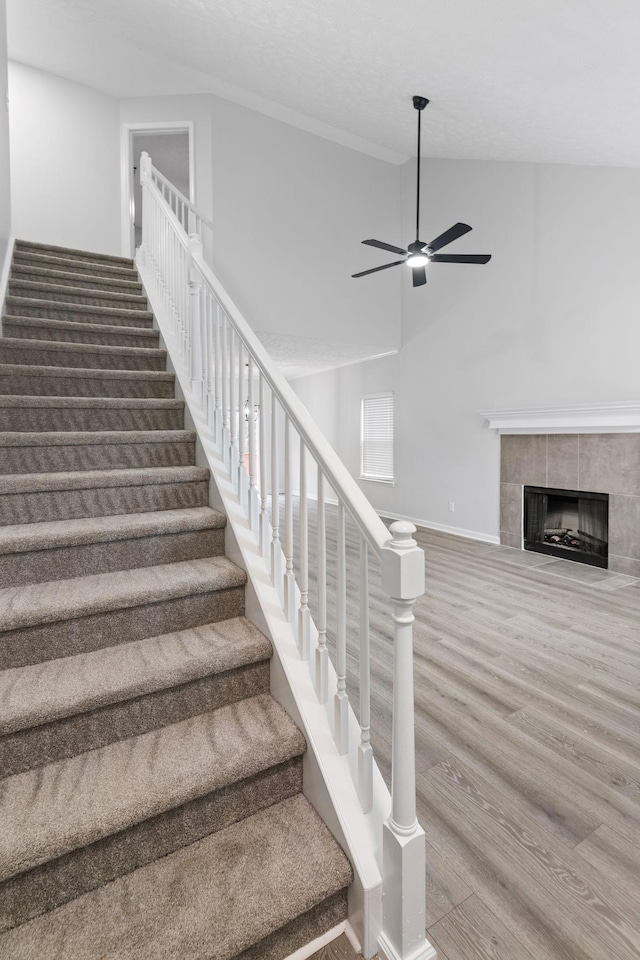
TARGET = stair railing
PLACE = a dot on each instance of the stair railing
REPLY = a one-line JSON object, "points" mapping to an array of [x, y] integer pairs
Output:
{"points": [[270, 446], [190, 219]]}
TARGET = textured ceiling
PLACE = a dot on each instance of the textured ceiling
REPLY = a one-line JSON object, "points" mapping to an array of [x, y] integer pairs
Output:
{"points": [[302, 356], [550, 80]]}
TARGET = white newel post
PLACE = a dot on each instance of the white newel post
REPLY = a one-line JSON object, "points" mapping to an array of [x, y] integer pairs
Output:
{"points": [[145, 176], [403, 846], [195, 321]]}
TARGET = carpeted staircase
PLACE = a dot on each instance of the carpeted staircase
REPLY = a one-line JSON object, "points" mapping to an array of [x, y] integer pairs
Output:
{"points": [[151, 802]]}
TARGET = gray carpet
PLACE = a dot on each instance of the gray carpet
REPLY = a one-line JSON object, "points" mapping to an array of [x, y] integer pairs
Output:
{"points": [[150, 797]]}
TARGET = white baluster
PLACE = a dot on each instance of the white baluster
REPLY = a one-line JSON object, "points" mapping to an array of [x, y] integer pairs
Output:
{"points": [[233, 405], [276, 549], [341, 731], [403, 846], [218, 416], [253, 480], [241, 479], [289, 577], [365, 753], [262, 455], [304, 615], [322, 655], [195, 320], [210, 322], [225, 389]]}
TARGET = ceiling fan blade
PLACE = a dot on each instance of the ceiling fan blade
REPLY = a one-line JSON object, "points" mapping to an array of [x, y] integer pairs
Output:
{"points": [[457, 230], [419, 276], [385, 266], [385, 246], [461, 258]]}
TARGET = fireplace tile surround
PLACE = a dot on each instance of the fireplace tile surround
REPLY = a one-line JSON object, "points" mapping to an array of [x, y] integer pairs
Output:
{"points": [[598, 462]]}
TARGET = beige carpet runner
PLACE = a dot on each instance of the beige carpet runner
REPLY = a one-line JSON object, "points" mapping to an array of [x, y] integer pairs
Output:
{"points": [[150, 800]]}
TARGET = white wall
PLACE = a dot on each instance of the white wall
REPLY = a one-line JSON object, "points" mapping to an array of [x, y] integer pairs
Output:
{"points": [[5, 180], [290, 211], [65, 162], [552, 319]]}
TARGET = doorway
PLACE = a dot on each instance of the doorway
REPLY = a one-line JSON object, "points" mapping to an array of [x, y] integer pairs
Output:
{"points": [[170, 146]]}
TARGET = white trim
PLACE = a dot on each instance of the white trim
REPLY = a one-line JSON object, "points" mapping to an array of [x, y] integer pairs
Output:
{"points": [[615, 417], [4, 277], [346, 363], [442, 527], [386, 949], [389, 483], [127, 131], [310, 948]]}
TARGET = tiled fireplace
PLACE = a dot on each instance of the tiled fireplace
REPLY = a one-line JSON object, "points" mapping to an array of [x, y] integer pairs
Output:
{"points": [[606, 463]]}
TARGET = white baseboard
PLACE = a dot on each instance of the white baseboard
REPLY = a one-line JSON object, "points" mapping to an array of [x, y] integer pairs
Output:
{"points": [[4, 276], [442, 527], [310, 948]]}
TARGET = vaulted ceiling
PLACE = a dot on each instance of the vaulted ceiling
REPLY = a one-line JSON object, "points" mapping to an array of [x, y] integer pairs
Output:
{"points": [[550, 80]]}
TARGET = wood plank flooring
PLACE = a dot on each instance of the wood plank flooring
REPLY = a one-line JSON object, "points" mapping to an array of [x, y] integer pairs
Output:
{"points": [[528, 749]]}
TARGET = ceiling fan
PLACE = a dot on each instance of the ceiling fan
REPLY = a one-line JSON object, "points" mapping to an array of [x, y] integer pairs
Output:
{"points": [[418, 254]]}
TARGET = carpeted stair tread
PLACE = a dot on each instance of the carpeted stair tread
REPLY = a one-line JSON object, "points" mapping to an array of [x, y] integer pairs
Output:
{"points": [[54, 534], [45, 692], [71, 253], [29, 259], [42, 603], [47, 452], [29, 306], [50, 291], [51, 811], [41, 328], [84, 355], [34, 414], [210, 901], [23, 271], [91, 479], [70, 438], [31, 380]]}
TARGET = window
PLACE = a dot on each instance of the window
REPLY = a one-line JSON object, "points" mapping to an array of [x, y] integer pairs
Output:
{"points": [[376, 435]]}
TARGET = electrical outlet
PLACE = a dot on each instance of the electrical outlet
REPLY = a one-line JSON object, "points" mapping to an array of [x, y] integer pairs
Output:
{"points": [[452, 506]]}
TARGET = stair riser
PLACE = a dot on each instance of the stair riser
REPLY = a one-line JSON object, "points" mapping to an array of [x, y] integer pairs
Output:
{"points": [[301, 931], [23, 307], [44, 888], [90, 298], [101, 456], [37, 385], [85, 559], [103, 338], [86, 360], [71, 253], [23, 507], [71, 736], [31, 260], [69, 637], [79, 280], [41, 419]]}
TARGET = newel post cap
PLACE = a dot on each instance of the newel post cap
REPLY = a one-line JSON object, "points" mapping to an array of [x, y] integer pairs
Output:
{"points": [[403, 563], [145, 166]]}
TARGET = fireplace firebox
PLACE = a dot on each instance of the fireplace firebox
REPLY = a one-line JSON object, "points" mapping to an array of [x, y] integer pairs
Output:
{"points": [[571, 524]]}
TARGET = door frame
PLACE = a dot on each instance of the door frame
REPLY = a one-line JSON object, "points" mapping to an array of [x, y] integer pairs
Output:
{"points": [[127, 132]]}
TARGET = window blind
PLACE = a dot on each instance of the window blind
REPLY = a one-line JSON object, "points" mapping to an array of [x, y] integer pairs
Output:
{"points": [[377, 438]]}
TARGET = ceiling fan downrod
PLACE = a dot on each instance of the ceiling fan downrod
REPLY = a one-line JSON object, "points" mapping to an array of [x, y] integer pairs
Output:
{"points": [[419, 103]]}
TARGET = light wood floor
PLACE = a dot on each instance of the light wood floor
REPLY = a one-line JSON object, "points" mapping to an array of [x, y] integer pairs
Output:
{"points": [[528, 750]]}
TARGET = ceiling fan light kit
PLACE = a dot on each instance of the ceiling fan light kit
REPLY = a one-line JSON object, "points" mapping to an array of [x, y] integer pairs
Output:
{"points": [[418, 254]]}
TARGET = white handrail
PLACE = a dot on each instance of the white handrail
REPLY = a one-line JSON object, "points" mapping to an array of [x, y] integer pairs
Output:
{"points": [[209, 339], [187, 213]]}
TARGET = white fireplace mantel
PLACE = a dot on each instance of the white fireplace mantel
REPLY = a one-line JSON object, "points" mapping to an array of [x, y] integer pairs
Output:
{"points": [[621, 417]]}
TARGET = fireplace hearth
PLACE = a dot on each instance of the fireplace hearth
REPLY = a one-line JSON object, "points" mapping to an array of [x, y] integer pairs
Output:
{"points": [[571, 524]]}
